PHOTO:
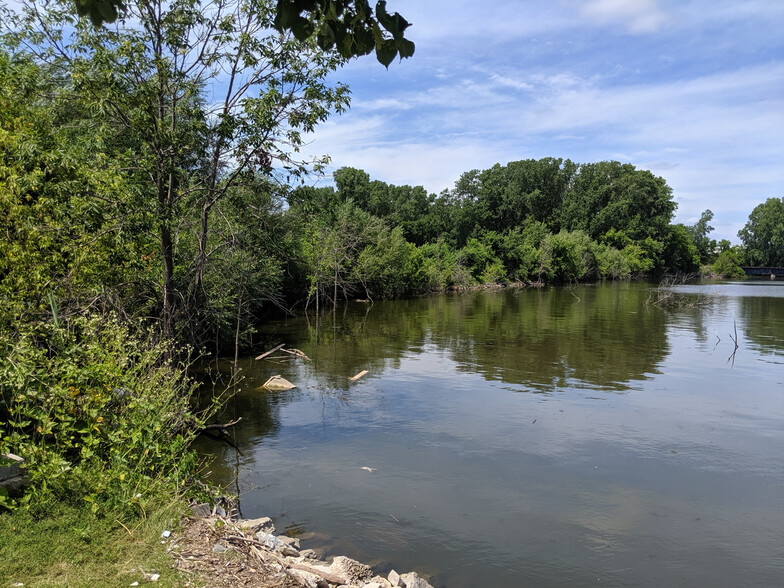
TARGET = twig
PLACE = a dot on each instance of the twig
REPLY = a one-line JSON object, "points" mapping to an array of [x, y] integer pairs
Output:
{"points": [[221, 427], [123, 526]]}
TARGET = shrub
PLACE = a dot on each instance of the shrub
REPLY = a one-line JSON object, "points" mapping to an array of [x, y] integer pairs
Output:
{"points": [[727, 264], [100, 414]]}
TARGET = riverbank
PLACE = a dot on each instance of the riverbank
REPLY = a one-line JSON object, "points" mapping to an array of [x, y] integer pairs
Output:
{"points": [[227, 553], [172, 547]]}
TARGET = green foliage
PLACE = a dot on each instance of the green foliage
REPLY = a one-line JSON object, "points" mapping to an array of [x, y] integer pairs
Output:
{"points": [[439, 267], [568, 257], [699, 236], [480, 261], [763, 234], [58, 237], [390, 266], [727, 264], [680, 254], [101, 415], [350, 26]]}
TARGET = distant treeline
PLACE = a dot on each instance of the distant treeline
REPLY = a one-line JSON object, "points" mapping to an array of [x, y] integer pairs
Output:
{"points": [[99, 218]]}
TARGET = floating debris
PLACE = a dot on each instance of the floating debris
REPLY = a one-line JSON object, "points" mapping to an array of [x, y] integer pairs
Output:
{"points": [[278, 383], [358, 376], [270, 352]]}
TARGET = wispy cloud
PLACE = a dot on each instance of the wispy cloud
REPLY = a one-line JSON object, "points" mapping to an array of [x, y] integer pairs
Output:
{"points": [[639, 16], [692, 90]]}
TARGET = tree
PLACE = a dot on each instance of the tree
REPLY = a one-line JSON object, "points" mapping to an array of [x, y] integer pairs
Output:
{"points": [[763, 235], [349, 26], [699, 236], [59, 247], [680, 254], [193, 100]]}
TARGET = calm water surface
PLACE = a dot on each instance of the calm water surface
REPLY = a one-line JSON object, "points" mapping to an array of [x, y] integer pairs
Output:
{"points": [[561, 437]]}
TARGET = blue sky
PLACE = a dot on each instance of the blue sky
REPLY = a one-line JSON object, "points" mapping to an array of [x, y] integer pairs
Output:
{"points": [[691, 90]]}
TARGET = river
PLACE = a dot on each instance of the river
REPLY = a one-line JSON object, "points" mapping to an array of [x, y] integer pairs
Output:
{"points": [[528, 437]]}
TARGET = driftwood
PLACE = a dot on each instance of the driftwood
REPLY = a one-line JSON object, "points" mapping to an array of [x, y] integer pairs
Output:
{"points": [[270, 352], [329, 577], [295, 352], [358, 376]]}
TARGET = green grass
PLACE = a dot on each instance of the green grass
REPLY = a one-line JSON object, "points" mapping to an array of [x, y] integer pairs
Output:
{"points": [[72, 547]]}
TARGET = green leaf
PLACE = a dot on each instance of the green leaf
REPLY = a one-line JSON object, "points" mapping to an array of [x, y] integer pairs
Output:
{"points": [[406, 48], [302, 28], [386, 52]]}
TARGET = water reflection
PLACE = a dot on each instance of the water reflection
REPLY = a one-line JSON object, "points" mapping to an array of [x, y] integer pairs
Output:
{"points": [[674, 481], [603, 338]]}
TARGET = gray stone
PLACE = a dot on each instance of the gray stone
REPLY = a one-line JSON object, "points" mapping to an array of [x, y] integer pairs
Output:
{"points": [[293, 541], [256, 525], [308, 554], [10, 466], [412, 580], [289, 551], [219, 548], [201, 510], [353, 571], [378, 582], [394, 578], [309, 580]]}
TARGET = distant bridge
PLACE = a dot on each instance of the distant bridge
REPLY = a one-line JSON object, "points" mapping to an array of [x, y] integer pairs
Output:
{"points": [[764, 271]]}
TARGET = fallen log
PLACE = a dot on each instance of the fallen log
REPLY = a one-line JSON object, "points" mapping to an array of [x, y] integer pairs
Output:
{"points": [[296, 352], [270, 352]]}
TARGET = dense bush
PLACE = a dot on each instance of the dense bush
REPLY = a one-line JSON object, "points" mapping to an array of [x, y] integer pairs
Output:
{"points": [[99, 414], [727, 264]]}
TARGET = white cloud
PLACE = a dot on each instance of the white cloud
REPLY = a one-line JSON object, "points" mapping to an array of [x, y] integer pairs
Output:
{"points": [[701, 104], [639, 16]]}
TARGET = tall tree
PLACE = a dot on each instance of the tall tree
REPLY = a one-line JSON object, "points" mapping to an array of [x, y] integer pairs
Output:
{"points": [[763, 234], [699, 235], [195, 99]]}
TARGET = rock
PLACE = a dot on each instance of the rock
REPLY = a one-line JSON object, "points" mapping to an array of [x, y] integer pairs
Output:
{"points": [[219, 548], [289, 551], [10, 466], [201, 510], [378, 582], [293, 541], [269, 540], [412, 580], [309, 580], [256, 525], [352, 570], [308, 554], [394, 578]]}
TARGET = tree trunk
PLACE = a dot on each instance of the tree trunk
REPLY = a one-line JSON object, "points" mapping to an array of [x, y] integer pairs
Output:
{"points": [[168, 281]]}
